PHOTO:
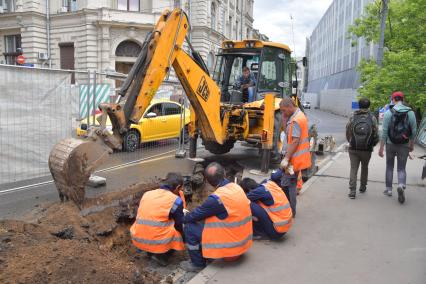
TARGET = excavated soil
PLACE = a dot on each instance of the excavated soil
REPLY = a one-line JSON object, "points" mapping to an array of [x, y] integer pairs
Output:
{"points": [[59, 243], [66, 245]]}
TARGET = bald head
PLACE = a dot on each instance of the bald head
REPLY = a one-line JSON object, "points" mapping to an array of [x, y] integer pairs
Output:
{"points": [[214, 174], [287, 106]]}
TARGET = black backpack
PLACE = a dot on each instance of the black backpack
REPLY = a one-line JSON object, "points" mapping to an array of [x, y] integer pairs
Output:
{"points": [[399, 129], [362, 132]]}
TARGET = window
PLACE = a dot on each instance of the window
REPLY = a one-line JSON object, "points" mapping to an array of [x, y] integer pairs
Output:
{"points": [[128, 5], [7, 6], [236, 29], [210, 61], [128, 48], [213, 19], [69, 5], [66, 54], [157, 109], [171, 109], [12, 43]]}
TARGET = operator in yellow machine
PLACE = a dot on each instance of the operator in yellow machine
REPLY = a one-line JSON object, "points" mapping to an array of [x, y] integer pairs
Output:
{"points": [[221, 228], [158, 226], [246, 83]]}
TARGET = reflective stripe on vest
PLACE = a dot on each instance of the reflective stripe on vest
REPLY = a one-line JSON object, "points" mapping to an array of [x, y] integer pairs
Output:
{"points": [[233, 235], [280, 212], [228, 245], [301, 159], [153, 230]]}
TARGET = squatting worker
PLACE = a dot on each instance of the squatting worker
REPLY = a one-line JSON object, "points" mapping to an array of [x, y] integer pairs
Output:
{"points": [[246, 83], [296, 155], [272, 216], [158, 227], [222, 226]]}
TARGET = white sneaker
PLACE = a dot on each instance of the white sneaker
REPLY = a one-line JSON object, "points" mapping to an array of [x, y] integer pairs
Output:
{"points": [[387, 192]]}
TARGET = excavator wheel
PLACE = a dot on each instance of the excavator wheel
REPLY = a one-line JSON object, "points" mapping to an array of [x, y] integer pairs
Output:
{"points": [[218, 149], [71, 162]]}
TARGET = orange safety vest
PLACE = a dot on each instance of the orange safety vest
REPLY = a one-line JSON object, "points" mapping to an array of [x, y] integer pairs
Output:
{"points": [[280, 213], [153, 230], [233, 235], [301, 159]]}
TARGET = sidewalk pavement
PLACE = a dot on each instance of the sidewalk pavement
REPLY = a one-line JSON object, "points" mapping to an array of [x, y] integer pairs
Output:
{"points": [[372, 239]]}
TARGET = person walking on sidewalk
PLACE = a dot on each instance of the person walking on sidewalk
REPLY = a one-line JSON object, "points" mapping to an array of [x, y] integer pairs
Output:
{"points": [[362, 134], [297, 156], [399, 131]]}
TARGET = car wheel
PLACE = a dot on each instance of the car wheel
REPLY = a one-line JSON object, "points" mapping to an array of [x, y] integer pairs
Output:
{"points": [[131, 141]]}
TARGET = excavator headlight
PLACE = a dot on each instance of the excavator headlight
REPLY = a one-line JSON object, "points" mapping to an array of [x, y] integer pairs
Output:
{"points": [[250, 44]]}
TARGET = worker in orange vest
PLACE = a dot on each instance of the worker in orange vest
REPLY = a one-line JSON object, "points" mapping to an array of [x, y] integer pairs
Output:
{"points": [[272, 216], [296, 153], [221, 228], [158, 226]]}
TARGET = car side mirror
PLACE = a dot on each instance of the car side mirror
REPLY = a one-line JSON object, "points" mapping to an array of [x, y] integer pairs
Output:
{"points": [[151, 115]]}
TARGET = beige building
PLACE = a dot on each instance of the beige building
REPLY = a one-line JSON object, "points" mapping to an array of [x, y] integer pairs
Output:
{"points": [[105, 34]]}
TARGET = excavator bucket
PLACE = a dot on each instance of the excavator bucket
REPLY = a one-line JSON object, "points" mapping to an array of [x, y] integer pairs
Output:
{"points": [[71, 162]]}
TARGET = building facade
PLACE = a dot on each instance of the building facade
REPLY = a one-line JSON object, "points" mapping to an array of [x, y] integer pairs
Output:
{"points": [[108, 34], [332, 54]]}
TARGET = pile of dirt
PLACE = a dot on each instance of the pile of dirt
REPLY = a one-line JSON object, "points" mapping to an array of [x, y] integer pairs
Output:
{"points": [[66, 245]]}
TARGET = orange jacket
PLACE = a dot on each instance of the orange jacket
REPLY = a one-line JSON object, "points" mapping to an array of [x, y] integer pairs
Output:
{"points": [[301, 159], [153, 230], [280, 213], [233, 235]]}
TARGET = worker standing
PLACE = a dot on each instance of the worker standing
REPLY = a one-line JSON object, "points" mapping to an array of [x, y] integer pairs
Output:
{"points": [[272, 216], [222, 226], [296, 155], [158, 227]]}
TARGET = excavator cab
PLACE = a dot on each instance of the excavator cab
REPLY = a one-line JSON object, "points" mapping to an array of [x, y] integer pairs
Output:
{"points": [[268, 63]]}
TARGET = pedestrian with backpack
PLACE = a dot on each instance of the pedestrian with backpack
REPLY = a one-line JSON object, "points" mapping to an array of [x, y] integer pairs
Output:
{"points": [[362, 134], [399, 131]]}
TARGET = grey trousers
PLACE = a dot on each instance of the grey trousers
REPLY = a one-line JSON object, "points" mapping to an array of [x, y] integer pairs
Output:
{"points": [[401, 154], [358, 157], [289, 186]]}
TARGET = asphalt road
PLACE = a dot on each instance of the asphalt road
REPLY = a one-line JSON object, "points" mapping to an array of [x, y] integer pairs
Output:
{"points": [[156, 159]]}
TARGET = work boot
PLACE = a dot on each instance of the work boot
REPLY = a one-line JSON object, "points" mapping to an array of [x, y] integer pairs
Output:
{"points": [[188, 266], [387, 192], [362, 189], [352, 194], [160, 259], [401, 195]]}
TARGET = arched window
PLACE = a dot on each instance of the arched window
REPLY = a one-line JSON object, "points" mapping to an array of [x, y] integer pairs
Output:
{"points": [[128, 48], [213, 15], [210, 61]]}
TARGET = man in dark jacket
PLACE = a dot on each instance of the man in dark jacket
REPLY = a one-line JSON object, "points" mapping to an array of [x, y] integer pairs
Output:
{"points": [[362, 134]]}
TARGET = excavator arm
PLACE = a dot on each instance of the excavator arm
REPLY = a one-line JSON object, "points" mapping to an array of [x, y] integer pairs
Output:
{"points": [[72, 161]]}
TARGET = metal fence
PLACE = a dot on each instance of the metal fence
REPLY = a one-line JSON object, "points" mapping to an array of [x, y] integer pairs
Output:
{"points": [[39, 107]]}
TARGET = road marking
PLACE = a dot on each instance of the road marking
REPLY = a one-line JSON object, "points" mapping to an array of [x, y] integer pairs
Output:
{"points": [[118, 167]]}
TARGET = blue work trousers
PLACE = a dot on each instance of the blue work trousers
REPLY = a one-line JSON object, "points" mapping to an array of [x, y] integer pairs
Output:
{"points": [[262, 223], [193, 233]]}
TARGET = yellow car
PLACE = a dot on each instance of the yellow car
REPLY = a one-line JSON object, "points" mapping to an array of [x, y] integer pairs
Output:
{"points": [[160, 121]]}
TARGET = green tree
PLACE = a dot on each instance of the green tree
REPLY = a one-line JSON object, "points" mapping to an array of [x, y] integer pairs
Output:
{"points": [[404, 65]]}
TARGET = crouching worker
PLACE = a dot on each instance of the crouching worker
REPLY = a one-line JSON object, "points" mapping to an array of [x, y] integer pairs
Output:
{"points": [[221, 228], [271, 211], [158, 226]]}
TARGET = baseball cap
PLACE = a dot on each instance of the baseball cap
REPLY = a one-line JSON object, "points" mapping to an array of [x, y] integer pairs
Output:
{"points": [[398, 94]]}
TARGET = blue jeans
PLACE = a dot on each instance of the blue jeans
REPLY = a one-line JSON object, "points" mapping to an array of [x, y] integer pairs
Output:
{"points": [[193, 233], [262, 224], [251, 97]]}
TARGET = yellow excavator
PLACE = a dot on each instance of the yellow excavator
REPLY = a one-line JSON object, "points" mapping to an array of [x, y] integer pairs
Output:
{"points": [[220, 115]]}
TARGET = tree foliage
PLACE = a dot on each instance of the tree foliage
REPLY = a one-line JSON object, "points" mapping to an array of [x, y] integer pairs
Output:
{"points": [[404, 65]]}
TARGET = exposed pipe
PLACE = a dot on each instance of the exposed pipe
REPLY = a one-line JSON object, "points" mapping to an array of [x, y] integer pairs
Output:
{"points": [[48, 32]]}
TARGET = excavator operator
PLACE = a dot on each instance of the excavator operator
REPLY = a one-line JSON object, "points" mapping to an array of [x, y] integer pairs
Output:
{"points": [[246, 83], [158, 225]]}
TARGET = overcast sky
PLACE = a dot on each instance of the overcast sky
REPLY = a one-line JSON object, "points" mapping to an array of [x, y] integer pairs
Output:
{"points": [[272, 18]]}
